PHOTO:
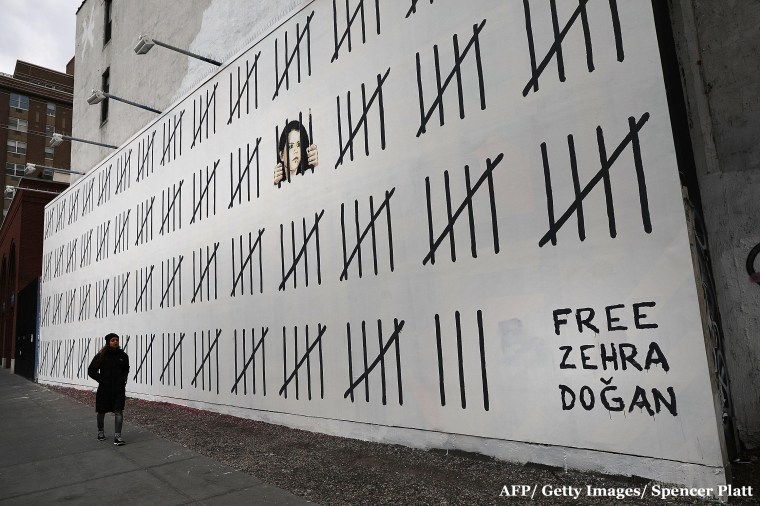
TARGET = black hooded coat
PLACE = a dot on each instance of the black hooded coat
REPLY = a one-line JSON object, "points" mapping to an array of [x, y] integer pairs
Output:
{"points": [[111, 370]]}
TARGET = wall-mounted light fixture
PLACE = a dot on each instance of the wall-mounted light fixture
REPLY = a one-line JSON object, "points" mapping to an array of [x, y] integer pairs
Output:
{"points": [[145, 43], [98, 96], [56, 139], [32, 168], [10, 191]]}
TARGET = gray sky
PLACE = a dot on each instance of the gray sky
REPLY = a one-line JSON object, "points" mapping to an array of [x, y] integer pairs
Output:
{"points": [[37, 31]]}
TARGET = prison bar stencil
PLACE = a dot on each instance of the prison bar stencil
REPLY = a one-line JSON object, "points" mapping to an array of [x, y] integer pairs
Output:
{"points": [[448, 230], [380, 359], [143, 366], [104, 185], [88, 201], [171, 282], [121, 294], [171, 138], [244, 264], [204, 193], [73, 205], [361, 235], [204, 274], [302, 257], [358, 16], [460, 347], [413, 8], [206, 366], [60, 213], [240, 183], [171, 208], [123, 172], [145, 154], [247, 359], [144, 289], [204, 116], [632, 139], [245, 89], [555, 51], [121, 232], [144, 221], [361, 123], [172, 359], [292, 57], [292, 375], [441, 86]]}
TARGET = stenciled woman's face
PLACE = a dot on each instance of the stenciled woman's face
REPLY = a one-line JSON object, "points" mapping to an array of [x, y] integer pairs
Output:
{"points": [[293, 149]]}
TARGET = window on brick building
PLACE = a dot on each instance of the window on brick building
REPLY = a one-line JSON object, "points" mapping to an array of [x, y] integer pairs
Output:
{"points": [[19, 125], [19, 101], [17, 147], [51, 109], [14, 169]]}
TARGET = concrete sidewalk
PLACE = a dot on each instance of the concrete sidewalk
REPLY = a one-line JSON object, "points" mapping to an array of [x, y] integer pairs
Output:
{"points": [[49, 454]]}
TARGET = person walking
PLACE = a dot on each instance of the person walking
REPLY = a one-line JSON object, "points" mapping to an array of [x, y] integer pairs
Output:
{"points": [[110, 368]]}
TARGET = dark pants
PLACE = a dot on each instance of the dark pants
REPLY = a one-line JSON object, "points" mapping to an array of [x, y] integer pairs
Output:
{"points": [[118, 421]]}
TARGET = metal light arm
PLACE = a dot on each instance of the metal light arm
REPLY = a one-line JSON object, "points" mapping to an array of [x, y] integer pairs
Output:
{"points": [[145, 43], [57, 139], [98, 96], [32, 167], [13, 189]]}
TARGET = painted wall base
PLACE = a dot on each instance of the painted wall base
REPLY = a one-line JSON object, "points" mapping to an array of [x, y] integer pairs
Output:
{"points": [[691, 475], [567, 458]]}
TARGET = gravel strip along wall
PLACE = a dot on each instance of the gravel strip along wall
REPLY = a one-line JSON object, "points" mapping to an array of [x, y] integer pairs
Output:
{"points": [[332, 470]]}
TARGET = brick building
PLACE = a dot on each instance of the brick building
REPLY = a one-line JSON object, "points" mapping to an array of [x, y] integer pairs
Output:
{"points": [[35, 102], [20, 268]]}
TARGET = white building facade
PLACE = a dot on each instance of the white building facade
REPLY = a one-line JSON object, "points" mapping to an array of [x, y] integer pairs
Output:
{"points": [[491, 253]]}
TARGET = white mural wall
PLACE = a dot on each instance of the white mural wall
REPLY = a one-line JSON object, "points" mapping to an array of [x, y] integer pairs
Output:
{"points": [[484, 245]]}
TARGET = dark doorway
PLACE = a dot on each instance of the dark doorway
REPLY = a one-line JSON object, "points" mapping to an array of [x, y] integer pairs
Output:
{"points": [[26, 330]]}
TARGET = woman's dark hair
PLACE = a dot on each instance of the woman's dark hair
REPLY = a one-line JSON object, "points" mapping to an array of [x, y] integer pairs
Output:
{"points": [[282, 144]]}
